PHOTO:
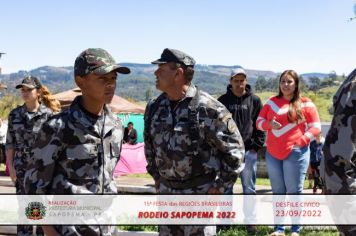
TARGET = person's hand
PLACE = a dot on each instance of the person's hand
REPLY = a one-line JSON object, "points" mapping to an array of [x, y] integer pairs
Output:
{"points": [[12, 173], [214, 190], [275, 124]]}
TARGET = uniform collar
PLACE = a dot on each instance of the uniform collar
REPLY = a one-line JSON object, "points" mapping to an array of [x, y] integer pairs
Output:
{"points": [[81, 119], [42, 109], [191, 91]]}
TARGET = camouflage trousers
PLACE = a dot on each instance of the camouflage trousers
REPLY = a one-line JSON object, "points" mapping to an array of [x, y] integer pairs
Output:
{"points": [[333, 185], [186, 230], [25, 230]]}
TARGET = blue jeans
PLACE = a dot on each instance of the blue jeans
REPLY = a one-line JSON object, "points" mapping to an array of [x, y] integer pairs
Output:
{"points": [[248, 174], [287, 176], [248, 181]]}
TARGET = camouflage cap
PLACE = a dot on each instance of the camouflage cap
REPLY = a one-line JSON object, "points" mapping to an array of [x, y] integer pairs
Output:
{"points": [[30, 82], [174, 55], [98, 61]]}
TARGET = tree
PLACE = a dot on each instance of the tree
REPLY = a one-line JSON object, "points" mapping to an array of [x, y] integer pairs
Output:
{"points": [[332, 75], [302, 84], [261, 84], [314, 84], [273, 84], [328, 82]]}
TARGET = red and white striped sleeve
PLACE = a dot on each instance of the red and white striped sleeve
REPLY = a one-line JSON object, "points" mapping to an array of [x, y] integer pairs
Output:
{"points": [[313, 125], [262, 123]]}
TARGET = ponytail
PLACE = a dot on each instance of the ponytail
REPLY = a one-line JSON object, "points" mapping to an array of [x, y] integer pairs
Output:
{"points": [[48, 100]]}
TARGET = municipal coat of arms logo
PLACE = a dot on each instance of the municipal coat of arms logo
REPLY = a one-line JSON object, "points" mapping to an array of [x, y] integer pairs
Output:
{"points": [[35, 211]]}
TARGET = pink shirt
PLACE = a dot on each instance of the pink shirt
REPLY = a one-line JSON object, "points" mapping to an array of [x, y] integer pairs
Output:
{"points": [[280, 142]]}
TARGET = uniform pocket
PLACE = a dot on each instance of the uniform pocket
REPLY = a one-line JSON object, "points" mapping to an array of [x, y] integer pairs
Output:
{"points": [[82, 161], [114, 150]]}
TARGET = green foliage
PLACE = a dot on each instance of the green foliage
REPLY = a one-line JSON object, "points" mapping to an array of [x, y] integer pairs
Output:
{"points": [[261, 84], [315, 83], [241, 230], [323, 101], [136, 87], [140, 84], [7, 103], [265, 95], [266, 230]]}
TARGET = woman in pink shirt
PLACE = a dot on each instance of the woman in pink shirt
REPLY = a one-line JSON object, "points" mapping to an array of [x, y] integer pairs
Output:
{"points": [[291, 122]]}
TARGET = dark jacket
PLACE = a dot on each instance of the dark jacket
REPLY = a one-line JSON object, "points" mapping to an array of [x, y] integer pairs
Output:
{"points": [[245, 110], [130, 138], [316, 151]]}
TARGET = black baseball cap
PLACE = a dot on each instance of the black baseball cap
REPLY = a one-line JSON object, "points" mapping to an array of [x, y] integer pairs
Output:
{"points": [[174, 55], [30, 82]]}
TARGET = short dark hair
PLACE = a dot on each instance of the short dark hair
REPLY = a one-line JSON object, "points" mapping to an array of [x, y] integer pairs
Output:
{"points": [[188, 71], [130, 123]]}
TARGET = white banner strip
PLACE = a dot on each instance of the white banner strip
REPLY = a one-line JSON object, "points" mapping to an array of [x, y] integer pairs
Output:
{"points": [[177, 209]]}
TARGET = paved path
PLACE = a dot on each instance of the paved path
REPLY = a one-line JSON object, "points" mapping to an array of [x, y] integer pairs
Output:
{"points": [[126, 184], [129, 184]]}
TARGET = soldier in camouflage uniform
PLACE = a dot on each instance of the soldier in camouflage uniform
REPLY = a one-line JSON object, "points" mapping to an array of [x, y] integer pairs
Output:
{"points": [[192, 144], [77, 150], [24, 123], [338, 169]]}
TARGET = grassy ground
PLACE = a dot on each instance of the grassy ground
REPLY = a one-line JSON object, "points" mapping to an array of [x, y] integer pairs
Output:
{"points": [[240, 230], [265, 230], [234, 230], [259, 181]]}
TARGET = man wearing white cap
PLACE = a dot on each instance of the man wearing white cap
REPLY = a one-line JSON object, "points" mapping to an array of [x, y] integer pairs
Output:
{"points": [[245, 107]]}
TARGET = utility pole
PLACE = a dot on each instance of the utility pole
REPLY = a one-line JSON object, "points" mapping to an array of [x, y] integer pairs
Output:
{"points": [[2, 86], [1, 53]]}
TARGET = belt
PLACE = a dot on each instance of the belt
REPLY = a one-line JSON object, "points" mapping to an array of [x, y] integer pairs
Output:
{"points": [[188, 183]]}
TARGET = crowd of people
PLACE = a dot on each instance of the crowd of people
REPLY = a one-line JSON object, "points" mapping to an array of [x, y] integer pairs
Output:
{"points": [[194, 143]]}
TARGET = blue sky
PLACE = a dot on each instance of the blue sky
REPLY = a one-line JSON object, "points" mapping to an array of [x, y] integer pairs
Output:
{"points": [[305, 35]]}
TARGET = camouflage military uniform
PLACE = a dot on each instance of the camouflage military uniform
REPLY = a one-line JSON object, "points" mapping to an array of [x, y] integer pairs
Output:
{"points": [[184, 165], [338, 168], [76, 153], [22, 131]]}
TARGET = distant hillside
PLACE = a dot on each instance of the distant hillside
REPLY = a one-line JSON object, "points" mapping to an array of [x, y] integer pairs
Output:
{"points": [[140, 84], [318, 75]]}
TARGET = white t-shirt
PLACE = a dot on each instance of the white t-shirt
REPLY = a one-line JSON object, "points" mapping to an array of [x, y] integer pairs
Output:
{"points": [[3, 131]]}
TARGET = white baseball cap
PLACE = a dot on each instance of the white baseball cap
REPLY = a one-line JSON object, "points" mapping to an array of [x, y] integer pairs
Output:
{"points": [[238, 71]]}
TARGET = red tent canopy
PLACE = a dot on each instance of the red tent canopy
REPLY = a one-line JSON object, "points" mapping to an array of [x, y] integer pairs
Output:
{"points": [[117, 105]]}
